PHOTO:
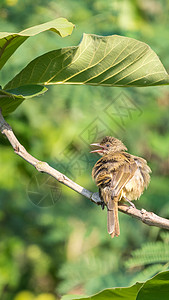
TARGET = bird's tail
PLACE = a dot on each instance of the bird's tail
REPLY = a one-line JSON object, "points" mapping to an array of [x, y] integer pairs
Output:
{"points": [[112, 218]]}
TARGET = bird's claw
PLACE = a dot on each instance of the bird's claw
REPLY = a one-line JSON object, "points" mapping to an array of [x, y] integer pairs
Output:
{"points": [[131, 203]]}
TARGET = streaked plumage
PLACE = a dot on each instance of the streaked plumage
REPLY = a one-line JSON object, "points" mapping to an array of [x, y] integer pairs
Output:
{"points": [[119, 175]]}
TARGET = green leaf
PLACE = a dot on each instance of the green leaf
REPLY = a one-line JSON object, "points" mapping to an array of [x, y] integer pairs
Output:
{"points": [[9, 102], [98, 60], [128, 293], [11, 99], [28, 91], [9, 42], [155, 288]]}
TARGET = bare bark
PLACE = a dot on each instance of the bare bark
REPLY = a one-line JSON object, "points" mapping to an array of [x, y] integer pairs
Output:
{"points": [[148, 218]]}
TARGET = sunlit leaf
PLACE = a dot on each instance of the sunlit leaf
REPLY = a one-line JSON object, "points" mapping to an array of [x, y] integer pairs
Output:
{"points": [[9, 42], [98, 60]]}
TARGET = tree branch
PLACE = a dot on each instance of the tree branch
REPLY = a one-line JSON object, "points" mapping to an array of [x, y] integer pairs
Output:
{"points": [[148, 218]]}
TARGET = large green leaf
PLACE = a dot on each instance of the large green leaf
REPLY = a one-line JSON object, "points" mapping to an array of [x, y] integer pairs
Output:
{"points": [[128, 293], [155, 288], [11, 99], [98, 60], [9, 42]]}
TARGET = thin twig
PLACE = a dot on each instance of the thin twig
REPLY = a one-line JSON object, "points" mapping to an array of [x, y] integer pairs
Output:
{"points": [[148, 218]]}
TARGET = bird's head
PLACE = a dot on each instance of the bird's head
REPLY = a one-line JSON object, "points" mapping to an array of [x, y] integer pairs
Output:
{"points": [[107, 145]]}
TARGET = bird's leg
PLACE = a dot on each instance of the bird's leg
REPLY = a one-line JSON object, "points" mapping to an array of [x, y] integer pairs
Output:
{"points": [[131, 203]]}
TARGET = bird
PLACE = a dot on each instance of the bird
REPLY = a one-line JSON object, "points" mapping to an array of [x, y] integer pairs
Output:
{"points": [[120, 176]]}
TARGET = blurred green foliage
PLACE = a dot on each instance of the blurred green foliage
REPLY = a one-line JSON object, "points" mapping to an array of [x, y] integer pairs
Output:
{"points": [[48, 250]]}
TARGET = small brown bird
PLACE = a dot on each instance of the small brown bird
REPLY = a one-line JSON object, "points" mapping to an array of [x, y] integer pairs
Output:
{"points": [[119, 176]]}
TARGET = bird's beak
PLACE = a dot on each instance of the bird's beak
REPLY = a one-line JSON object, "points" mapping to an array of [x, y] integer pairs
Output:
{"points": [[97, 150]]}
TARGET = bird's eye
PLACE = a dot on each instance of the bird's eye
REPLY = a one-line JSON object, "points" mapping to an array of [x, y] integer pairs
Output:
{"points": [[107, 145]]}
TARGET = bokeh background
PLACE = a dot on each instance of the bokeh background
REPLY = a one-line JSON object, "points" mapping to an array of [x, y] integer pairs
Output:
{"points": [[53, 241]]}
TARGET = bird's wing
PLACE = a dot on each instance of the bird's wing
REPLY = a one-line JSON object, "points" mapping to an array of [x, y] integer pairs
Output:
{"points": [[114, 171], [121, 176]]}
